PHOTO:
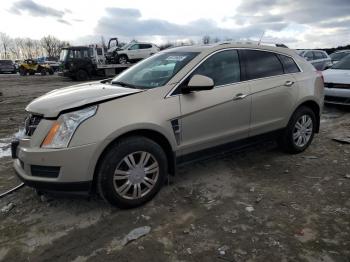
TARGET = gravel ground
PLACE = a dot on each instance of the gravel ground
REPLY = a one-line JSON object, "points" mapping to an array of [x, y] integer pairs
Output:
{"points": [[255, 205]]}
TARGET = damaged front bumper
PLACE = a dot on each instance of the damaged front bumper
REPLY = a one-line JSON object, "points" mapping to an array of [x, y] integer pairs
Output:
{"points": [[66, 169]]}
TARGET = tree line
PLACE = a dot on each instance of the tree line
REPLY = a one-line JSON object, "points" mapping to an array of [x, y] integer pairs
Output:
{"points": [[25, 48]]}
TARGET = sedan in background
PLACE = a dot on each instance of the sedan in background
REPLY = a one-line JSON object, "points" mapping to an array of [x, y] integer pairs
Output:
{"points": [[339, 55], [318, 58], [337, 83], [7, 66]]}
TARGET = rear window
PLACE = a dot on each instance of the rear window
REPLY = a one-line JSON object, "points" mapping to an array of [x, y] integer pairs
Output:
{"points": [[289, 65], [261, 64]]}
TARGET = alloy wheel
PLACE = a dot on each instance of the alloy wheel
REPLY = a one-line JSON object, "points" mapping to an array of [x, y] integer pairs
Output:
{"points": [[136, 175], [302, 131]]}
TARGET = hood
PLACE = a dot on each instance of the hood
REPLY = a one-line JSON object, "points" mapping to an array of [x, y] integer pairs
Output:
{"points": [[337, 76], [52, 103]]}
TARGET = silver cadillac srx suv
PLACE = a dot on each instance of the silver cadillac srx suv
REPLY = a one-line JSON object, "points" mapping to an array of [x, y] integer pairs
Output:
{"points": [[123, 137]]}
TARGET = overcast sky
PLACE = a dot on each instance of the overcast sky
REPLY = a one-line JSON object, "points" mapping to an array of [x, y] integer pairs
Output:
{"points": [[297, 23]]}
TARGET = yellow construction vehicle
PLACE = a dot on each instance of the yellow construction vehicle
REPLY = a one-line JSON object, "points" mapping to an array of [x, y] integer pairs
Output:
{"points": [[31, 67]]}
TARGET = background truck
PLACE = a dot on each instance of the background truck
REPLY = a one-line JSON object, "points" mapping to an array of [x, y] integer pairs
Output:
{"points": [[85, 62]]}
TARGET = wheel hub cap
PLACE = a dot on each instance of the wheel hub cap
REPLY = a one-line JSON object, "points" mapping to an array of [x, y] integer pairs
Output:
{"points": [[136, 175], [302, 131]]}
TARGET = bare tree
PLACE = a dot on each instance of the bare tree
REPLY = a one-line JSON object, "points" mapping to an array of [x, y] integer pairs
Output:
{"points": [[206, 39], [52, 45], [216, 40], [5, 42], [16, 48], [28, 46]]}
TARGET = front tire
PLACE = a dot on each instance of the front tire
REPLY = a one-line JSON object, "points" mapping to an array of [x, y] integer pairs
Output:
{"points": [[131, 172], [82, 75], [300, 131]]}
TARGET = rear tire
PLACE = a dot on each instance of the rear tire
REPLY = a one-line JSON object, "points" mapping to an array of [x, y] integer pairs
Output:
{"points": [[299, 132], [43, 72], [82, 75], [122, 59], [131, 172]]}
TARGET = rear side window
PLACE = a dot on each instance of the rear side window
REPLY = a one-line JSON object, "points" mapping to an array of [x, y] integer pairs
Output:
{"points": [[318, 55], [261, 64], [289, 65], [222, 67], [145, 46], [309, 55]]}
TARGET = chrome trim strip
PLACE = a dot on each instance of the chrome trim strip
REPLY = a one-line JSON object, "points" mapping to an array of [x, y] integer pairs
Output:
{"points": [[169, 94]]}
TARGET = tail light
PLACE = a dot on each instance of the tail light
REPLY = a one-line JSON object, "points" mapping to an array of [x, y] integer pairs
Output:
{"points": [[319, 73]]}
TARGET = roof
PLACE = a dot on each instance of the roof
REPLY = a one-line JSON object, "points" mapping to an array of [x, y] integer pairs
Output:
{"points": [[224, 45]]}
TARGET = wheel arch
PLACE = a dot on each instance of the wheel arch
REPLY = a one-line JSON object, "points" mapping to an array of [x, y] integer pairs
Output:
{"points": [[155, 136]]}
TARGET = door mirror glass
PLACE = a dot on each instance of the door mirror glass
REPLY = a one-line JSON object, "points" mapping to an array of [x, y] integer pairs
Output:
{"points": [[198, 83]]}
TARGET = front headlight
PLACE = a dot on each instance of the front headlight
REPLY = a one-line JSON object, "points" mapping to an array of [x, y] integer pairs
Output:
{"points": [[63, 129]]}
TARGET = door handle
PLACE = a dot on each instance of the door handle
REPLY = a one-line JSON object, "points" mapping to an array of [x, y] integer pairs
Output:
{"points": [[289, 83], [239, 96]]}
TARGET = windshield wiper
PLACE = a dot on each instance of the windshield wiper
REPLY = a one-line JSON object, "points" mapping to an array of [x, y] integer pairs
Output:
{"points": [[123, 84]]}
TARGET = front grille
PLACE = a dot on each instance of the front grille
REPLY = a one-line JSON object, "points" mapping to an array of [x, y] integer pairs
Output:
{"points": [[31, 123], [45, 171], [335, 85]]}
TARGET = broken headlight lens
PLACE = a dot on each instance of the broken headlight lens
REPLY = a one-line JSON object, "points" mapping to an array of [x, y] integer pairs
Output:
{"points": [[63, 129]]}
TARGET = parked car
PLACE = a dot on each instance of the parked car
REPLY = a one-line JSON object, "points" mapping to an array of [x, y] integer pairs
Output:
{"points": [[54, 65], [337, 56], [318, 58], [337, 82], [7, 66], [135, 51], [124, 136]]}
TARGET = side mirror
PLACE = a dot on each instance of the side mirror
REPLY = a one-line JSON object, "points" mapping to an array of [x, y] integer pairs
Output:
{"points": [[198, 83]]}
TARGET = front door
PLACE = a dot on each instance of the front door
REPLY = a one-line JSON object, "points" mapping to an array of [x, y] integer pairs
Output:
{"points": [[220, 115]]}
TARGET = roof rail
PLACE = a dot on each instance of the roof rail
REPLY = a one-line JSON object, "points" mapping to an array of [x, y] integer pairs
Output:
{"points": [[252, 43]]}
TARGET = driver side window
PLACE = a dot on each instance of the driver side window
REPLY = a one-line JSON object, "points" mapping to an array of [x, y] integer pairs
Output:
{"points": [[223, 68]]}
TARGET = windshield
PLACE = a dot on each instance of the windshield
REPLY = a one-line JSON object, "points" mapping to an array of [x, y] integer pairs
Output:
{"points": [[63, 55], [339, 56], [343, 64], [155, 71], [126, 46], [6, 62]]}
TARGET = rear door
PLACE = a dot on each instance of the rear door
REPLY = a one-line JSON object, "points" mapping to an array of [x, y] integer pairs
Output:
{"points": [[273, 89], [145, 50], [220, 115]]}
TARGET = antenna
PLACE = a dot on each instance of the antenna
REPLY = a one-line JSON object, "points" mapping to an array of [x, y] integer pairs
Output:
{"points": [[262, 35]]}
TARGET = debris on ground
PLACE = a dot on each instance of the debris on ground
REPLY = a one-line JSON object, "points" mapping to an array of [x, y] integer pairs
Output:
{"points": [[310, 157], [135, 234], [342, 140], [146, 217], [249, 209], [7, 208], [258, 199], [347, 176], [222, 250]]}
